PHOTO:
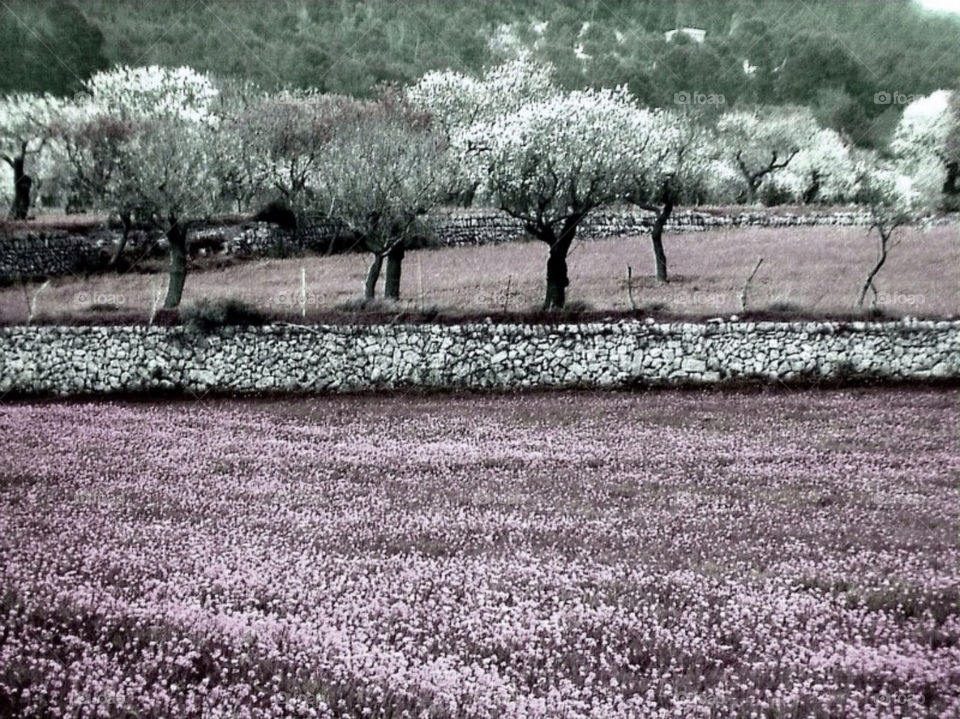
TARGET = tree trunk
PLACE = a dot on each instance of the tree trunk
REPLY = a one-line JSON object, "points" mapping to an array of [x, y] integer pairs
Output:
{"points": [[953, 174], [177, 237], [373, 274], [557, 278], [127, 221], [813, 189], [656, 237], [868, 284], [391, 287], [22, 183]]}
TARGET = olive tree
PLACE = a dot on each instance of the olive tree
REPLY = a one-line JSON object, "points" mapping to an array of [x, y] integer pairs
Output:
{"points": [[381, 173], [554, 161]]}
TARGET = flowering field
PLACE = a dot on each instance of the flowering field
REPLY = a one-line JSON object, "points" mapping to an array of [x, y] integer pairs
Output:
{"points": [[556, 555]]}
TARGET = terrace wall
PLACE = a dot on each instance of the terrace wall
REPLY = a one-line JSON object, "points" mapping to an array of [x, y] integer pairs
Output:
{"points": [[68, 361], [59, 252]]}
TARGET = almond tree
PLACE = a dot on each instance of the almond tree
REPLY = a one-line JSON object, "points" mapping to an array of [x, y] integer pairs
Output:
{"points": [[670, 168], [95, 145], [144, 92], [762, 141], [824, 171], [279, 141], [379, 176], [142, 139], [894, 201], [169, 172], [457, 102], [554, 161], [25, 122], [927, 141]]}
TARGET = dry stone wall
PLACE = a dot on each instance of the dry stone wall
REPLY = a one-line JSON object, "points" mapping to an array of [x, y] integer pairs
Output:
{"points": [[67, 361], [52, 254]]}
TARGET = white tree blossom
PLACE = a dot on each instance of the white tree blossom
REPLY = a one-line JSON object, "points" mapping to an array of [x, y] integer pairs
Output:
{"points": [[456, 101], [142, 142], [25, 132], [927, 144], [822, 171], [764, 141], [139, 92], [553, 161]]}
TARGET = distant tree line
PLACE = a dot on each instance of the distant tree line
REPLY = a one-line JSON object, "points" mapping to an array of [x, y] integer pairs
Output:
{"points": [[853, 62]]}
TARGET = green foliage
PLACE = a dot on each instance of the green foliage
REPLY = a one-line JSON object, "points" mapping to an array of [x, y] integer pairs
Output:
{"points": [[47, 47], [831, 56], [206, 315]]}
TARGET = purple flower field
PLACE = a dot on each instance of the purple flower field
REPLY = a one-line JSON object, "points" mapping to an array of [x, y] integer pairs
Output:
{"points": [[546, 555]]}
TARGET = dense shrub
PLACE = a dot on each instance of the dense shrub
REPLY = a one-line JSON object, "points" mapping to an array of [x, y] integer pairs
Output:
{"points": [[207, 315]]}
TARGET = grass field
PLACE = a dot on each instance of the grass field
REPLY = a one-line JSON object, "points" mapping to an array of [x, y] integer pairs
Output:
{"points": [[807, 272], [544, 555]]}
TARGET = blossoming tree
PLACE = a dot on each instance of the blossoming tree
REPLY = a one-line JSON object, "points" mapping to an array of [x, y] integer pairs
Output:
{"points": [[893, 200], [95, 146], [458, 102], [381, 173], [143, 138], [554, 161], [279, 141], [823, 171], [670, 168], [25, 122], [927, 142], [762, 141]]}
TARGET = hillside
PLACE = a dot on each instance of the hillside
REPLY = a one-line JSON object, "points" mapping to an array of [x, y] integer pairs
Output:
{"points": [[856, 62]]}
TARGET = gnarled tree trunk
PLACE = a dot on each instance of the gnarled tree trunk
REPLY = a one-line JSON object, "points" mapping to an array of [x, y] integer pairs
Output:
{"points": [[373, 274], [177, 238], [557, 278], [22, 183], [391, 287], [656, 235], [950, 186], [127, 220]]}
